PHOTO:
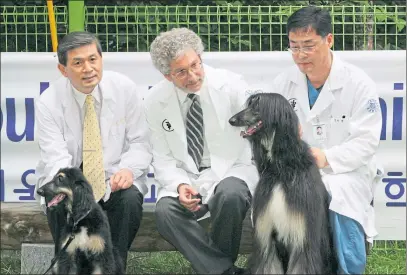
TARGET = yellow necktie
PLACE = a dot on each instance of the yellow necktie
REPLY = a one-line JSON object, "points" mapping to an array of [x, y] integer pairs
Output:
{"points": [[93, 168]]}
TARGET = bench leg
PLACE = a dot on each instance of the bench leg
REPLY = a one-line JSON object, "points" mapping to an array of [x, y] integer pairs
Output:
{"points": [[35, 257]]}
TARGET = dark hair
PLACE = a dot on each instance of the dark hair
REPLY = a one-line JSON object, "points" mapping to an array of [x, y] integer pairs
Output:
{"points": [[75, 40], [318, 19]]}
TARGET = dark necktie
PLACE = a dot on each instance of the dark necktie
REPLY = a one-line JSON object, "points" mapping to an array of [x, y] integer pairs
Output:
{"points": [[195, 130]]}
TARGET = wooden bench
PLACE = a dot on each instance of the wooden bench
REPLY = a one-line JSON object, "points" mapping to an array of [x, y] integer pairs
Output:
{"points": [[27, 223]]}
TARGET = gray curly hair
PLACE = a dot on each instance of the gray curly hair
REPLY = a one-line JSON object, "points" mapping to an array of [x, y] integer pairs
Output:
{"points": [[171, 44]]}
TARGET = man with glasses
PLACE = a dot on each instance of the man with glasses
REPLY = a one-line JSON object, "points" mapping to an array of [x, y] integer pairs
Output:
{"points": [[201, 163], [339, 112]]}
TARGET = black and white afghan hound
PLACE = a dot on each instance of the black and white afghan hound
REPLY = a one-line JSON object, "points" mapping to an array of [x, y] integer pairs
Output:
{"points": [[290, 204], [86, 245]]}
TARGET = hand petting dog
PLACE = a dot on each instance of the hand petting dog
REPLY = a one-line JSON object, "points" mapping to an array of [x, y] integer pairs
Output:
{"points": [[317, 153], [121, 180], [320, 157]]}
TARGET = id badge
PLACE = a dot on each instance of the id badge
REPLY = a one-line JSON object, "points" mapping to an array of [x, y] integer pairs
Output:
{"points": [[319, 132]]}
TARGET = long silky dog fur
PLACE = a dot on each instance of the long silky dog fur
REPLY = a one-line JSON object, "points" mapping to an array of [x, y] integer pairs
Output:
{"points": [[91, 251], [290, 214]]}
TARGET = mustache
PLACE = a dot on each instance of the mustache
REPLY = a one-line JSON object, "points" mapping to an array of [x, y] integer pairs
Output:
{"points": [[194, 82]]}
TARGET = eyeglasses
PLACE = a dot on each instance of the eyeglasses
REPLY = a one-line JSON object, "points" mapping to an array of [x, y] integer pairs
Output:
{"points": [[306, 50], [184, 73]]}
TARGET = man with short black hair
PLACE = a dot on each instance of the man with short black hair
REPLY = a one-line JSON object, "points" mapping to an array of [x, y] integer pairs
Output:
{"points": [[93, 119], [338, 108]]}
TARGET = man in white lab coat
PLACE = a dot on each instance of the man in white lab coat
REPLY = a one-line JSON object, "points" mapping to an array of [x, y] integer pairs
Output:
{"points": [[339, 111], [60, 114], [197, 153]]}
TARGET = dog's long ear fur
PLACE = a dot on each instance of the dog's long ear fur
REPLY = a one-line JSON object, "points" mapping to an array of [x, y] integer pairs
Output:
{"points": [[253, 100], [83, 199], [281, 118], [280, 132]]}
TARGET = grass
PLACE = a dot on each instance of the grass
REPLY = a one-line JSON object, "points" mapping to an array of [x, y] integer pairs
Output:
{"points": [[10, 262], [385, 258], [164, 262]]}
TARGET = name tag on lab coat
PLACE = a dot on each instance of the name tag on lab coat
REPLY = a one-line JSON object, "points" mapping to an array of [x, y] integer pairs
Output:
{"points": [[319, 131]]}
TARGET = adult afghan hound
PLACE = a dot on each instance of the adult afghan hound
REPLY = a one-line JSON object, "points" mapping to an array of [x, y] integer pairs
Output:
{"points": [[290, 204]]}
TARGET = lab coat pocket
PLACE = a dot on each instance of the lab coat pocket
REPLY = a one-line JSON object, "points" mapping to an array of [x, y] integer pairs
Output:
{"points": [[339, 130]]}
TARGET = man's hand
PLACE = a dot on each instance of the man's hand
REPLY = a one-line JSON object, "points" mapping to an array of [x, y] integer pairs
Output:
{"points": [[185, 197], [121, 180], [319, 157]]}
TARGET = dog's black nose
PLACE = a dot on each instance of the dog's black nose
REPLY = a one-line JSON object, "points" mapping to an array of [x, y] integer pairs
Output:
{"points": [[232, 120], [40, 192]]}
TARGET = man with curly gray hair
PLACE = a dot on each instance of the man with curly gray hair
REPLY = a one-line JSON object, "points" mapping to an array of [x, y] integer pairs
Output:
{"points": [[164, 48], [201, 163]]}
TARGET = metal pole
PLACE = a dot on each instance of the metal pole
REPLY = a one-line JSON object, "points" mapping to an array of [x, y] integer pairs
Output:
{"points": [[53, 25], [76, 15]]}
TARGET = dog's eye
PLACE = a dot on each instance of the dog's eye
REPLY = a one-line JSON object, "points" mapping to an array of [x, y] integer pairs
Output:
{"points": [[60, 178]]}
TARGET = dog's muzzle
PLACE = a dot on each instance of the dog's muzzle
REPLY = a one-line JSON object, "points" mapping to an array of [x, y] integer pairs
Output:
{"points": [[251, 129], [57, 199]]}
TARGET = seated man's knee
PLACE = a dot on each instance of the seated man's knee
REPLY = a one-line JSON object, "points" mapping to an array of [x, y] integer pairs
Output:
{"points": [[233, 192], [131, 198], [163, 213], [162, 208]]}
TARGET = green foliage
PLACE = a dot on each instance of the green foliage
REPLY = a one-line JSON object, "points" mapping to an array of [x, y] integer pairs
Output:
{"points": [[130, 25], [234, 26]]}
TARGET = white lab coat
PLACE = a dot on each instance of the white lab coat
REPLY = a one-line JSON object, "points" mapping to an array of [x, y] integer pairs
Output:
{"points": [[124, 130], [230, 154], [348, 106]]}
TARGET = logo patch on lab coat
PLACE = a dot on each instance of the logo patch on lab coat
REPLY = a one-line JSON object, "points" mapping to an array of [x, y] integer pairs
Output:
{"points": [[293, 103], [167, 125], [372, 106]]}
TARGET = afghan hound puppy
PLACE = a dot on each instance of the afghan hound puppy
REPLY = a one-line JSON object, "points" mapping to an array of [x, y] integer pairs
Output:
{"points": [[290, 204], [91, 250]]}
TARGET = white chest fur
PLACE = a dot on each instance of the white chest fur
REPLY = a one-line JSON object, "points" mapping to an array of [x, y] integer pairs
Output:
{"points": [[87, 243], [289, 225]]}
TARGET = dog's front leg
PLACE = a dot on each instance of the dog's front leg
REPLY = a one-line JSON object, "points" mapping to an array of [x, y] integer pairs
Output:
{"points": [[266, 261], [63, 264], [305, 261], [104, 263]]}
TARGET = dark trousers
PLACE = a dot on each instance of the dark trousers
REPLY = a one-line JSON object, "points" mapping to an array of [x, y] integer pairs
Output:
{"points": [[212, 252], [124, 210]]}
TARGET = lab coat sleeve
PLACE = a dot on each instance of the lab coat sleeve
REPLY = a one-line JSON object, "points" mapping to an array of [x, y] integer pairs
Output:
{"points": [[364, 132], [166, 172], [138, 155], [53, 148]]}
